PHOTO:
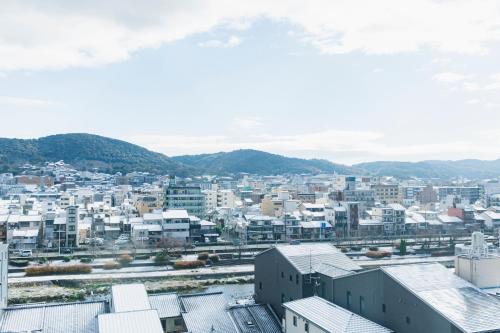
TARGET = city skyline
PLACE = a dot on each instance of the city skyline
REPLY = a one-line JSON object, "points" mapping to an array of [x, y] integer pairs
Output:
{"points": [[409, 83]]}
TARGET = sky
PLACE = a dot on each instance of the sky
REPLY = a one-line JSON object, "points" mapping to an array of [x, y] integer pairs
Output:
{"points": [[348, 81]]}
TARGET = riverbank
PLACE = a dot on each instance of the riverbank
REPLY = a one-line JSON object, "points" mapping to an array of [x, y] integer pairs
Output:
{"points": [[67, 291]]}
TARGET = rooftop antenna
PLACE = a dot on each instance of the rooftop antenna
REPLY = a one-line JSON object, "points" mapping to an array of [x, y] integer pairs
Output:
{"points": [[212, 329]]}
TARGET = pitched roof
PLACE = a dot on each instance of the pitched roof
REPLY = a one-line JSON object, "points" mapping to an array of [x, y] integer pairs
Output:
{"points": [[146, 321], [332, 318], [472, 310], [308, 257], [80, 317]]}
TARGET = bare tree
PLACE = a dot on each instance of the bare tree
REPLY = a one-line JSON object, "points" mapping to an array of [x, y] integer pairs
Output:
{"points": [[167, 244]]}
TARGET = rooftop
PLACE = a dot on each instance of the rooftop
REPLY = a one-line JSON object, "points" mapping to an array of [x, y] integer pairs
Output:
{"points": [[146, 321], [307, 257], [332, 318], [129, 297], [78, 317], [472, 310]]}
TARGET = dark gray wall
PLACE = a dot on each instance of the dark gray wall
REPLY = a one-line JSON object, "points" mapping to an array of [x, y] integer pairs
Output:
{"points": [[269, 266], [377, 289]]}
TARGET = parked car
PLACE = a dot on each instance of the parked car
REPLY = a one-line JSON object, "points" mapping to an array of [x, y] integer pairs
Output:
{"points": [[25, 253], [121, 241], [66, 250]]}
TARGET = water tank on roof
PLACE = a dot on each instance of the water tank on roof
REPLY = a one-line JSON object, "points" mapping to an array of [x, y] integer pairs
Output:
{"points": [[478, 244]]}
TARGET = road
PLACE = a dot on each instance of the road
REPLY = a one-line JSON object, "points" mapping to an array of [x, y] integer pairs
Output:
{"points": [[206, 272], [227, 248]]}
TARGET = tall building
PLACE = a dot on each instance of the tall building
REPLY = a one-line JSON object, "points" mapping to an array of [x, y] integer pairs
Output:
{"points": [[189, 198], [72, 226]]}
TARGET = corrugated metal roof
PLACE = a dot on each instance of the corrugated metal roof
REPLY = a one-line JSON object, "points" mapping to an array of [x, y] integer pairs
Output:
{"points": [[204, 311], [255, 319], [307, 257], [331, 317], [130, 322], [467, 307], [53, 318], [167, 305], [129, 297], [332, 271]]}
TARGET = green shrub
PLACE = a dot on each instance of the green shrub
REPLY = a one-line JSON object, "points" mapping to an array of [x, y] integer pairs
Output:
{"points": [[111, 265], [42, 260], [373, 248], [203, 256], [161, 258], [86, 260], [125, 259], [214, 258], [189, 264], [344, 250], [19, 262], [66, 259], [57, 270]]}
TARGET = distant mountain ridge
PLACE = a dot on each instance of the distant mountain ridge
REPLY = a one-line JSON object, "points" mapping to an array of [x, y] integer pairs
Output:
{"points": [[469, 168], [88, 151], [85, 152], [259, 162]]}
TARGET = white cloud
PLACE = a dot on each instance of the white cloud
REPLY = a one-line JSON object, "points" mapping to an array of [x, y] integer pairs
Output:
{"points": [[331, 144], [100, 32], [378, 70], [471, 86], [22, 102], [246, 122], [233, 41], [3, 75], [449, 77], [473, 101]]}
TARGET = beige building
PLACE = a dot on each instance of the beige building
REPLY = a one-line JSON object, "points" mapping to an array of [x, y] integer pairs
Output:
{"points": [[387, 193]]}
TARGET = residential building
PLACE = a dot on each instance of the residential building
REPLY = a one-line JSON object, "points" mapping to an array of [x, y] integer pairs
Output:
{"points": [[417, 298], [387, 193], [189, 198], [317, 315], [289, 272]]}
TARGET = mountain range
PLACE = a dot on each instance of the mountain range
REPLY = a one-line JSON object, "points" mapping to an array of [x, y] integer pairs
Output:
{"points": [[88, 151]]}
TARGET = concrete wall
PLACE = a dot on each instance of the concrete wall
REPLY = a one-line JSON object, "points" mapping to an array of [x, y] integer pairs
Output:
{"points": [[387, 303], [483, 272]]}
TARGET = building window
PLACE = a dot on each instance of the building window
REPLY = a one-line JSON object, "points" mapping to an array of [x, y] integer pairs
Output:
{"points": [[291, 278], [282, 275], [408, 320], [348, 299], [295, 321], [361, 305], [297, 278], [383, 308], [282, 298], [306, 327], [260, 285]]}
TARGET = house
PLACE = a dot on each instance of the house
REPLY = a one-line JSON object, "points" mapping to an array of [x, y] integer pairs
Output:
{"points": [[417, 298], [491, 219], [314, 314], [288, 272]]}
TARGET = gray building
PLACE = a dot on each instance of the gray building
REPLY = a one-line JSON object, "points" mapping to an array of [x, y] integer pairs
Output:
{"points": [[189, 198], [289, 272], [415, 298]]}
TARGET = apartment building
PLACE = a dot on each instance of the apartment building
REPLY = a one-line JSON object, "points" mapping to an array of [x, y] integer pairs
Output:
{"points": [[386, 193], [189, 198]]}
